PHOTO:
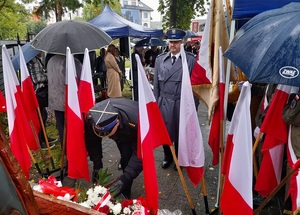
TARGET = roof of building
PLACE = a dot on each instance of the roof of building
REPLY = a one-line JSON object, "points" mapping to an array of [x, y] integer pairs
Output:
{"points": [[141, 6]]}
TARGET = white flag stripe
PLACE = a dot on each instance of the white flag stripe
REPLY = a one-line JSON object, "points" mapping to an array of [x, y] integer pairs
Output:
{"points": [[10, 81], [72, 84], [242, 140], [276, 154], [190, 144], [205, 48], [86, 73], [145, 96], [221, 65], [23, 66]]}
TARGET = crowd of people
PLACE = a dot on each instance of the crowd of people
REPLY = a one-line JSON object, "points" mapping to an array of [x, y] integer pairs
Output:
{"points": [[117, 118]]}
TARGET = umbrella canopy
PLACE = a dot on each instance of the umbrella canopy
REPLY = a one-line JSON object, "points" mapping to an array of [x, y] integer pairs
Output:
{"points": [[267, 47], [190, 34], [150, 42], [76, 35], [29, 53]]}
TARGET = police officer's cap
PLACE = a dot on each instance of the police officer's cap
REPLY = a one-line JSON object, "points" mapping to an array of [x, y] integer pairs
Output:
{"points": [[175, 34], [104, 116]]}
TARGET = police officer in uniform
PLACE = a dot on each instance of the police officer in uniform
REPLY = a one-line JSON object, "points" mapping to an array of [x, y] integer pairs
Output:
{"points": [[115, 118], [167, 87]]}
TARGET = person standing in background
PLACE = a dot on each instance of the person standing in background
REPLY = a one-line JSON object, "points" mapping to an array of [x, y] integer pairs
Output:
{"points": [[100, 70], [150, 56], [56, 70], [167, 88], [121, 64], [114, 73]]}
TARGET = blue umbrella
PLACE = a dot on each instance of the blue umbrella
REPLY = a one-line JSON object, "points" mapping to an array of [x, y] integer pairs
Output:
{"points": [[150, 42], [190, 34], [29, 53], [267, 47]]}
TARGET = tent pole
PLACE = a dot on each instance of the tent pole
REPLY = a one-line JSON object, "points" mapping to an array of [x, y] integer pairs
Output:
{"points": [[131, 82]]}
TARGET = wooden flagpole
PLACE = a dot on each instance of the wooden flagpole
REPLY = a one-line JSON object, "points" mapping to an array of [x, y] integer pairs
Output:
{"points": [[183, 181]]}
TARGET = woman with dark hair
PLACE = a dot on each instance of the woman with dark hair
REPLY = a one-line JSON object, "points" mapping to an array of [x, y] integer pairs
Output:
{"points": [[113, 73]]}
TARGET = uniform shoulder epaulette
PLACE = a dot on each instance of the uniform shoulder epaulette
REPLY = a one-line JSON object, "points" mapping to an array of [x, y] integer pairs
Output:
{"points": [[161, 54], [190, 53]]}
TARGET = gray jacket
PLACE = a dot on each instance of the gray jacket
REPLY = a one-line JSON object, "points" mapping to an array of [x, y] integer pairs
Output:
{"points": [[167, 89]]}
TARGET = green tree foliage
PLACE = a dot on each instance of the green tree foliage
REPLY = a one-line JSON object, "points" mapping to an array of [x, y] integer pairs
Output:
{"points": [[93, 8], [34, 27], [179, 13], [58, 6], [12, 18]]}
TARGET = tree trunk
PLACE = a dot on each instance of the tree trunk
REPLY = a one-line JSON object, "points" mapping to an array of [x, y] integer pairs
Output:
{"points": [[59, 11], [173, 14]]}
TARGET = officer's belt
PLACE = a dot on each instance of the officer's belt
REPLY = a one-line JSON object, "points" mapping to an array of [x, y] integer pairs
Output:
{"points": [[169, 96]]}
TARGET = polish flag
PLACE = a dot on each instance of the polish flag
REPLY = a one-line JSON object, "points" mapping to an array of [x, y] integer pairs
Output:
{"points": [[76, 151], [276, 135], [190, 143], [17, 120], [218, 117], [237, 192], [205, 75], [30, 104], [86, 92], [294, 188], [2, 103], [152, 133], [273, 121]]}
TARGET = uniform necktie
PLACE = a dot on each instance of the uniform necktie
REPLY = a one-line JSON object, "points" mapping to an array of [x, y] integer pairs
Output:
{"points": [[173, 59]]}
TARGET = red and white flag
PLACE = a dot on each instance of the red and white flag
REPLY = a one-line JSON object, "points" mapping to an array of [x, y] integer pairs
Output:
{"points": [[86, 92], [294, 186], [17, 120], [218, 117], [76, 151], [237, 196], [276, 135], [152, 133], [190, 143], [273, 121], [205, 75], [30, 104]]}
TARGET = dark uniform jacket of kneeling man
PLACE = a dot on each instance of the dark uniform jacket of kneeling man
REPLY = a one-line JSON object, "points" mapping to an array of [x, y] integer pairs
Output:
{"points": [[117, 119]]}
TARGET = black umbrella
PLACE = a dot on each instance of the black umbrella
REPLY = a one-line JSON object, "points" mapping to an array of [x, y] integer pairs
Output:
{"points": [[150, 42], [76, 35], [267, 47]]}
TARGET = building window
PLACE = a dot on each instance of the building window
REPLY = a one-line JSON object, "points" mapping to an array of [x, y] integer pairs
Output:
{"points": [[145, 25], [125, 2], [145, 15], [133, 3], [132, 15]]}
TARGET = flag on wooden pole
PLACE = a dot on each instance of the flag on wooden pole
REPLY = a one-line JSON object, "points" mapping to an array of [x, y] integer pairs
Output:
{"points": [[17, 121], [276, 136], [30, 104], [76, 151], [190, 142], [218, 116], [152, 133], [215, 35], [86, 94], [237, 192]]}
